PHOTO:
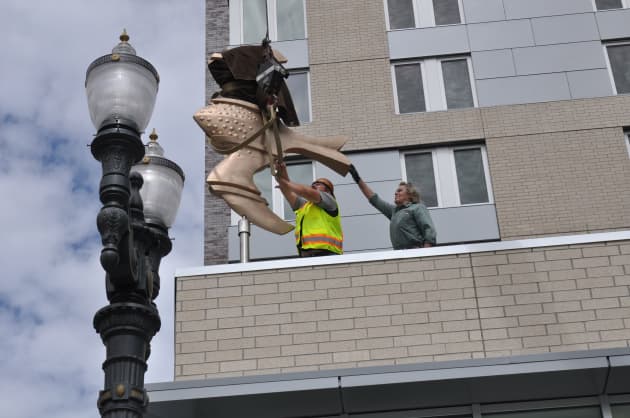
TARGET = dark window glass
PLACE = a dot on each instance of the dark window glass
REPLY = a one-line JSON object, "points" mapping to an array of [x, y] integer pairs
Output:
{"points": [[620, 411], [619, 56], [588, 412], [457, 84], [608, 4], [420, 173], [400, 14], [471, 179], [254, 21], [298, 86], [290, 19], [446, 12], [409, 88]]}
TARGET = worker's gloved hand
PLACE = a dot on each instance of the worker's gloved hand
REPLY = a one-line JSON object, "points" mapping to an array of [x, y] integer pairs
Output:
{"points": [[354, 173]]}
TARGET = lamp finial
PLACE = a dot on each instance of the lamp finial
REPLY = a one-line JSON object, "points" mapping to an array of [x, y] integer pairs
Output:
{"points": [[123, 36]]}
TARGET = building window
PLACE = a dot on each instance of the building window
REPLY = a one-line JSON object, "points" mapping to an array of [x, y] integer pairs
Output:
{"points": [[588, 412], [433, 84], [611, 4], [620, 411], [298, 83], [250, 19], [449, 176], [619, 65], [404, 14], [299, 172]]}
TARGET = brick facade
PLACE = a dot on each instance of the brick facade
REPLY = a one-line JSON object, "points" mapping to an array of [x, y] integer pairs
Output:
{"points": [[216, 211], [463, 306]]}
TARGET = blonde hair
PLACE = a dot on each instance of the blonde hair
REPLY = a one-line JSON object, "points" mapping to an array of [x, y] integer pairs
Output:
{"points": [[414, 196]]}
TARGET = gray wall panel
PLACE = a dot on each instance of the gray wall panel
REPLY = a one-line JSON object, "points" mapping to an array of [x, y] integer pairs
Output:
{"points": [[562, 29], [561, 57], [352, 202], [356, 237], [262, 244], [476, 11], [491, 64], [518, 9], [372, 166], [524, 89], [613, 23], [295, 51], [425, 42], [467, 223], [500, 35], [453, 225], [590, 83]]}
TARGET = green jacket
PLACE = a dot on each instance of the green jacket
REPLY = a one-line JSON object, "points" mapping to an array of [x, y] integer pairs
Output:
{"points": [[410, 224]]}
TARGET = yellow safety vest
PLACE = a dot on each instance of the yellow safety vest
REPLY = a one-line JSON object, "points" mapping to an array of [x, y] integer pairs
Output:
{"points": [[316, 229]]}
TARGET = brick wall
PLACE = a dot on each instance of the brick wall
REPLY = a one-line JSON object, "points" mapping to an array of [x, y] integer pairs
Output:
{"points": [[562, 182], [461, 306], [216, 211]]}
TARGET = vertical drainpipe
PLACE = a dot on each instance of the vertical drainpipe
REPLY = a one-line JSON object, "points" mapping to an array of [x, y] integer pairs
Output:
{"points": [[244, 233]]}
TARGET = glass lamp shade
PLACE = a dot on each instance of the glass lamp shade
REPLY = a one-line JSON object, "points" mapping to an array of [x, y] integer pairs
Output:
{"points": [[161, 191], [121, 86]]}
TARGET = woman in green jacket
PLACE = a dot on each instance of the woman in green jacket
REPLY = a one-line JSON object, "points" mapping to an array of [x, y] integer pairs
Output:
{"points": [[410, 224]]}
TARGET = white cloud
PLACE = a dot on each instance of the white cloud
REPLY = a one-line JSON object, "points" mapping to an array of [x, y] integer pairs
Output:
{"points": [[51, 282]]}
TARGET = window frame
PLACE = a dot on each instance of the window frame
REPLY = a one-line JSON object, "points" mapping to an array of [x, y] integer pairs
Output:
{"points": [[611, 76], [278, 202], [445, 174], [236, 21], [423, 74], [308, 91], [624, 5], [424, 15], [589, 401], [433, 82]]}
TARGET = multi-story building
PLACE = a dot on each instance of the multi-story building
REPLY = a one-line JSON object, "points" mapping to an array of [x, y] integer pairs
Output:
{"points": [[510, 116]]}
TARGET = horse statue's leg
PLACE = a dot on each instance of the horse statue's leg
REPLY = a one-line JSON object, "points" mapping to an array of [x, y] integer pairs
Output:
{"points": [[228, 123], [232, 180]]}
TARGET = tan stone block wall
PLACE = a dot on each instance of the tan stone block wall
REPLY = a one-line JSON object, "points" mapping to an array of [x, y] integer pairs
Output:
{"points": [[560, 182], [345, 31], [558, 116], [462, 306]]}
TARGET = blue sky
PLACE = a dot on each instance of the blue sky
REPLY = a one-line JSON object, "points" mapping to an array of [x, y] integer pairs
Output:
{"points": [[51, 282]]}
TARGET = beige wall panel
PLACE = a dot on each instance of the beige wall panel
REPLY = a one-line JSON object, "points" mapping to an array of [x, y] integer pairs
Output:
{"points": [[564, 182], [331, 21], [462, 306], [566, 115]]}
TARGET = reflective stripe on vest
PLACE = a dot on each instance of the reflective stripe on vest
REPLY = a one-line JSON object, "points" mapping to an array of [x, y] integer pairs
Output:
{"points": [[314, 239], [316, 229]]}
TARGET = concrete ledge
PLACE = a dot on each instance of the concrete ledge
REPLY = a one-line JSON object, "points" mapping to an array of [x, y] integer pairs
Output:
{"points": [[414, 386], [405, 254]]}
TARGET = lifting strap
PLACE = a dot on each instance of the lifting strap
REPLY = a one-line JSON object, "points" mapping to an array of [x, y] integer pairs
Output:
{"points": [[268, 123]]}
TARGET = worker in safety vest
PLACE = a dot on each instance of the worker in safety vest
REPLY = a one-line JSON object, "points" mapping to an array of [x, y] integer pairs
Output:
{"points": [[317, 222]]}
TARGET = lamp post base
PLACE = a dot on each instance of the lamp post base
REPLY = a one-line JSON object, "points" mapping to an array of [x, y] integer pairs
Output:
{"points": [[126, 330]]}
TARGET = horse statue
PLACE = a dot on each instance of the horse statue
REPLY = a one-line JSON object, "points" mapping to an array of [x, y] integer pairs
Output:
{"points": [[251, 127]]}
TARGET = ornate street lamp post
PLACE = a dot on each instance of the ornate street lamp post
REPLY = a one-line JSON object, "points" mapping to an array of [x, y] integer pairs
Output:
{"points": [[140, 195]]}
